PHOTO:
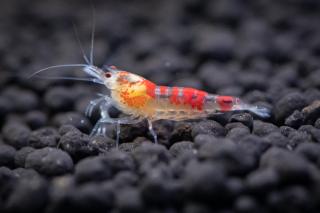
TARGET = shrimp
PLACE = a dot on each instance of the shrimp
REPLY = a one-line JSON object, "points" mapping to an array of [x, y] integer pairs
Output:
{"points": [[141, 99]]}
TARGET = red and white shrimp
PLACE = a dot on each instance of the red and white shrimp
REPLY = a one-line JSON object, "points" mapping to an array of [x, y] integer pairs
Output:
{"points": [[142, 99]]}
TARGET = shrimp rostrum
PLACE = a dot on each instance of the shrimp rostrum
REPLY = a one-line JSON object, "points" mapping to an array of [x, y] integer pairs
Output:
{"points": [[142, 99]]}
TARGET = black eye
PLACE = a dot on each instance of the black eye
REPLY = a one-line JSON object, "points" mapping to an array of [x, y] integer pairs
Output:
{"points": [[108, 75]]}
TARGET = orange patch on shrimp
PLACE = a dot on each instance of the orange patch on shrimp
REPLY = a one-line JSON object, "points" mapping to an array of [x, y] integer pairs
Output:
{"points": [[136, 95], [133, 101]]}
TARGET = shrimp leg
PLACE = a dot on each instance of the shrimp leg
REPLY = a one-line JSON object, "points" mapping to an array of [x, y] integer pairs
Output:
{"points": [[155, 138], [100, 128], [95, 102]]}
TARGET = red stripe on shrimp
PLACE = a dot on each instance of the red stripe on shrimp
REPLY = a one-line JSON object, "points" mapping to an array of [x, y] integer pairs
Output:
{"points": [[225, 103], [163, 90], [194, 97], [150, 88], [199, 101], [187, 95], [174, 98]]}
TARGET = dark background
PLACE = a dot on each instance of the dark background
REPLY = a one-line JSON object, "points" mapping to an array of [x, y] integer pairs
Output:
{"points": [[266, 52]]}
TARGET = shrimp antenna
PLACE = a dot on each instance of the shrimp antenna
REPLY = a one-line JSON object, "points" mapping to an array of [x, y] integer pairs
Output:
{"points": [[57, 66], [94, 80], [80, 44], [92, 32]]}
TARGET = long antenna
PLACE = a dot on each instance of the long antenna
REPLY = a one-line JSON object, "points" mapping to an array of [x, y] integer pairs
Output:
{"points": [[57, 66], [94, 80], [79, 42], [92, 32]]}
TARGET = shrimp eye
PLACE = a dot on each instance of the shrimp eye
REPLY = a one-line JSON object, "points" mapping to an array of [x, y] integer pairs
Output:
{"points": [[108, 75]]}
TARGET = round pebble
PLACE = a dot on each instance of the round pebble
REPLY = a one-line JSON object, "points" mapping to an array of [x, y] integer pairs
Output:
{"points": [[49, 161]]}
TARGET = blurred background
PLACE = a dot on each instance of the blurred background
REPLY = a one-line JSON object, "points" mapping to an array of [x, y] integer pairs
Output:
{"points": [[170, 42]]}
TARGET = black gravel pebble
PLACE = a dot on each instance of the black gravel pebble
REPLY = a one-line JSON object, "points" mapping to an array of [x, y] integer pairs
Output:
{"points": [[44, 137], [290, 167], [78, 145], [23, 173], [312, 131], [7, 180], [277, 139], [286, 130], [129, 132], [192, 207], [244, 118], [202, 139], [73, 118], [204, 182], [5, 107], [219, 47], [246, 204], [129, 147], [49, 161], [60, 194], [29, 195], [288, 104], [125, 179], [181, 147], [222, 79], [151, 152], [16, 134], [261, 128], [317, 123], [278, 200], [234, 157], [295, 120], [36, 119], [237, 133], [59, 99], [254, 145], [208, 127], [92, 197], [298, 137], [92, 169], [312, 112], [129, 200], [21, 155], [155, 191], [68, 128], [7, 154], [182, 131], [310, 151], [22, 100], [119, 161], [262, 181]]}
